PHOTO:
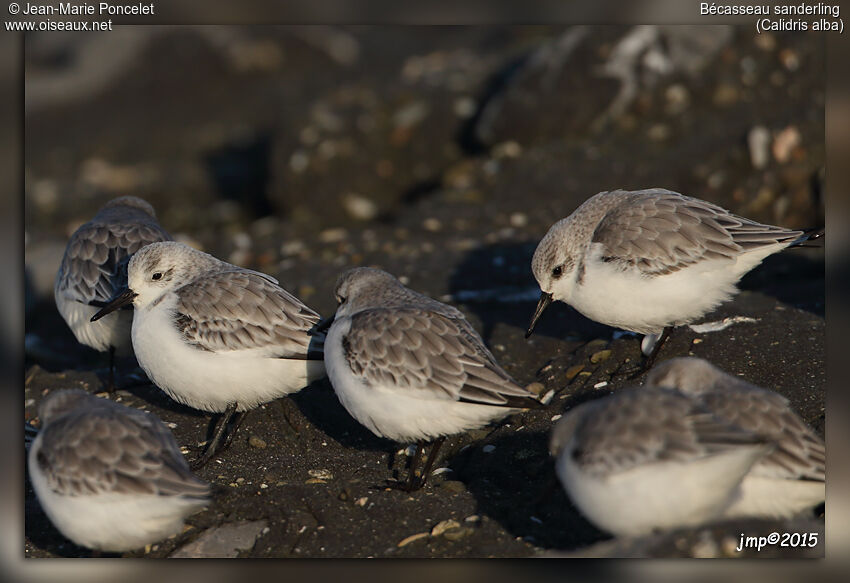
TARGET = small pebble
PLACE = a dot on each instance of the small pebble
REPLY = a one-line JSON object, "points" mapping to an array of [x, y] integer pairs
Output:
{"points": [[488, 448], [784, 143], [600, 356], [321, 474], [458, 533], [518, 220], [256, 442], [464, 107], [509, 149], [443, 526], [359, 207], [333, 235], [601, 384], [412, 538], [758, 141], [432, 224], [455, 486], [725, 95], [573, 371]]}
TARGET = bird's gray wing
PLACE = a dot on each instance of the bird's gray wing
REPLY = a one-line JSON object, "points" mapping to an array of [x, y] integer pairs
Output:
{"points": [[800, 453], [103, 449], [94, 266], [659, 231], [428, 354], [650, 425], [244, 310]]}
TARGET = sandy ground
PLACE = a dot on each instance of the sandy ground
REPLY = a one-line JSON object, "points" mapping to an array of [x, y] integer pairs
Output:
{"points": [[443, 160]]}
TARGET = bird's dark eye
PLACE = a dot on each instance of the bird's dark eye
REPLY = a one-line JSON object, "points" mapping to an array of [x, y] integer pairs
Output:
{"points": [[156, 276], [558, 271]]}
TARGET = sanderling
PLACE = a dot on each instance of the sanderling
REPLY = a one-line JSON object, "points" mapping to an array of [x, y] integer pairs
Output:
{"points": [[94, 268], [215, 336], [109, 477], [789, 480], [649, 458], [410, 368], [648, 260]]}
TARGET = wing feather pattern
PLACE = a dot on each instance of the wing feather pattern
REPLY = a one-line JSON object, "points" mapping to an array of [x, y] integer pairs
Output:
{"points": [[660, 231], [422, 350]]}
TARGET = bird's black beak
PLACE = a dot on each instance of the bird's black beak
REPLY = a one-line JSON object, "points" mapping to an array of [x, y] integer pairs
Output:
{"points": [[119, 300], [322, 325], [545, 300]]}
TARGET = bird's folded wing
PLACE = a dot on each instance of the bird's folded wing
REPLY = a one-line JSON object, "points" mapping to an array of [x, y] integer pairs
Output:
{"points": [[652, 425], [428, 355], [659, 232], [95, 263], [799, 453], [243, 310], [100, 450]]}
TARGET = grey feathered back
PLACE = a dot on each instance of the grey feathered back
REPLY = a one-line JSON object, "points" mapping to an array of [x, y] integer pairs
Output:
{"points": [[402, 338], [799, 453], [98, 251], [647, 424], [91, 445]]}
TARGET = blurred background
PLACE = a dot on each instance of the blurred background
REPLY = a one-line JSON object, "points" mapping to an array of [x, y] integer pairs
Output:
{"points": [[441, 154], [301, 150]]}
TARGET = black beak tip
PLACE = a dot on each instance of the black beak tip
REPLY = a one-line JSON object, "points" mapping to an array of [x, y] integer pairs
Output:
{"points": [[116, 302], [545, 300], [322, 326]]}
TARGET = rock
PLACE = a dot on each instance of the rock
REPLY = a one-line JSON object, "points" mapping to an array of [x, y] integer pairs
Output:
{"points": [[255, 441], [458, 533], [453, 486], [223, 542], [600, 356], [321, 474], [411, 538], [443, 526], [725, 95], [573, 371], [758, 141], [784, 143], [359, 207], [536, 388]]}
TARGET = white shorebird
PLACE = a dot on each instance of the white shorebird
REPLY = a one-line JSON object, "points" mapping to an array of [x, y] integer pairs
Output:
{"points": [[410, 368], [109, 477], [786, 482], [649, 260], [94, 267], [215, 336], [648, 458]]}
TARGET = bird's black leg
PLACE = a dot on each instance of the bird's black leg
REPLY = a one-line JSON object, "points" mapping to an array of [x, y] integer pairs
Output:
{"points": [[212, 446], [432, 457], [408, 485], [649, 360], [240, 417]]}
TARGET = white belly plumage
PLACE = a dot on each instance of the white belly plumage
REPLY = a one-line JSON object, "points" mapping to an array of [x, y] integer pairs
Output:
{"points": [[401, 414], [211, 381]]}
